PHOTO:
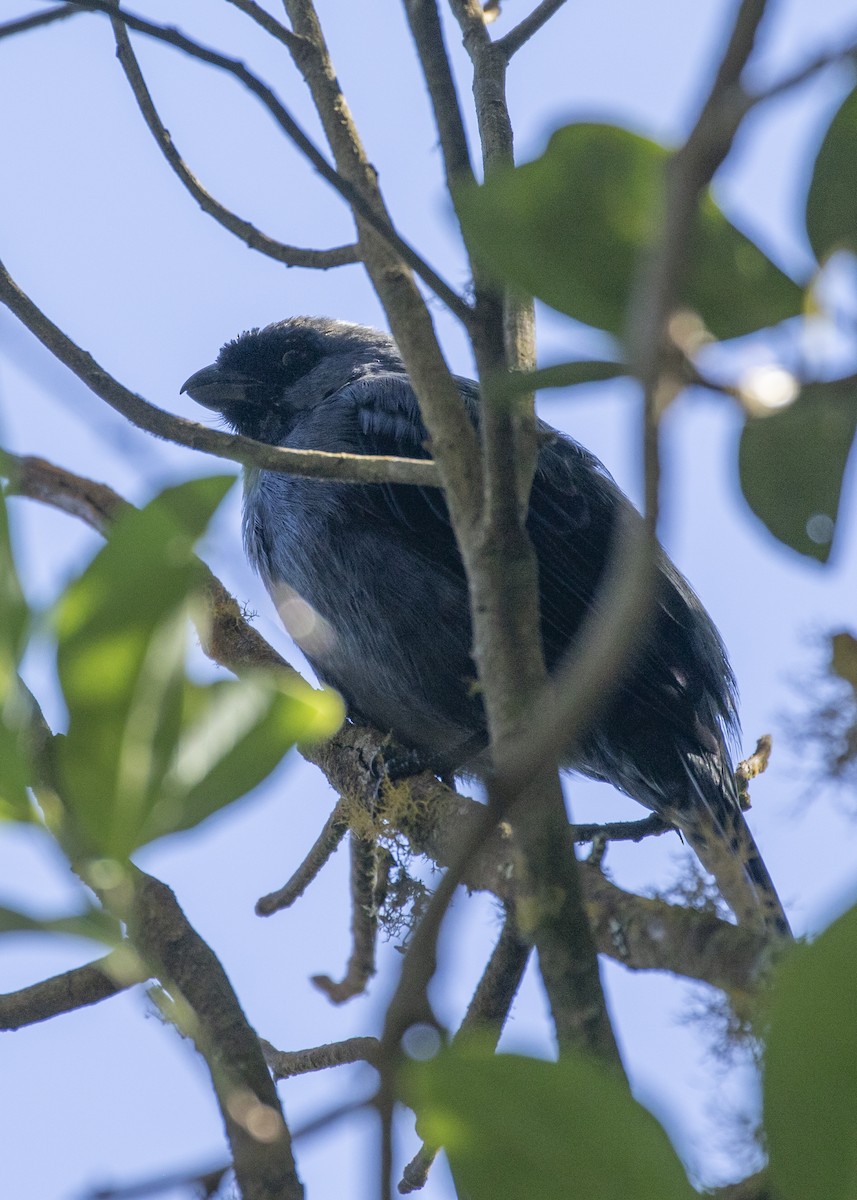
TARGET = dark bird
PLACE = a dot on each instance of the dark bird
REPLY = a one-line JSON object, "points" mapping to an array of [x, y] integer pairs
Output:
{"points": [[369, 582]]}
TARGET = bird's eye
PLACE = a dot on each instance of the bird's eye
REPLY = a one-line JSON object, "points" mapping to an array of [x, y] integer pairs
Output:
{"points": [[300, 359]]}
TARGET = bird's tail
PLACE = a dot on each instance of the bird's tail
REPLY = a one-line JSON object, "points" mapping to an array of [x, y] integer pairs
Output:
{"points": [[716, 830]]}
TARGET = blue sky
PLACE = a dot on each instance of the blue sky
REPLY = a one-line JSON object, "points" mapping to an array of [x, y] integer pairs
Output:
{"points": [[100, 233]]}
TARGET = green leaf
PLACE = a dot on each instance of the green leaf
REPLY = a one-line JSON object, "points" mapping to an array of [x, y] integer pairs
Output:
{"points": [[14, 614], [520, 1128], [122, 629], [14, 624], [92, 923], [831, 207], [792, 462], [15, 769], [573, 226], [811, 1070], [233, 733], [558, 375]]}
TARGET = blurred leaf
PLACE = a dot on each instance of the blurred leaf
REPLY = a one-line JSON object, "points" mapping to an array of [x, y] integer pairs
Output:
{"points": [[14, 623], [558, 375], [518, 1128], [15, 770], [14, 614], [811, 1070], [148, 752], [843, 647], [92, 923], [233, 734], [792, 462], [572, 228], [122, 629], [831, 207]]}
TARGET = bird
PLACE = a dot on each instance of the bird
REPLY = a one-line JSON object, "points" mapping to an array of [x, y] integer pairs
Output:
{"points": [[369, 581]]}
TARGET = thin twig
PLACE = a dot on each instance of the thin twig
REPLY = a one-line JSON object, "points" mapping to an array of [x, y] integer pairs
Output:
{"points": [[657, 287], [427, 32], [359, 204], [208, 1180], [198, 991], [453, 438], [368, 883], [486, 1014], [286, 1063], [312, 464], [77, 988], [335, 828], [292, 256], [263, 18], [622, 831], [512, 42], [826, 58], [36, 20]]}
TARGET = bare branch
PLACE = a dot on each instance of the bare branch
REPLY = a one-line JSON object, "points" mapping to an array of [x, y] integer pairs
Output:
{"points": [[23, 24], [312, 464], [622, 831], [454, 442], [427, 32], [201, 1001], [524, 30], [263, 18], [358, 202], [368, 882], [335, 829], [206, 1182], [486, 1014], [189, 969], [657, 287], [286, 1063], [292, 256], [71, 990], [827, 58]]}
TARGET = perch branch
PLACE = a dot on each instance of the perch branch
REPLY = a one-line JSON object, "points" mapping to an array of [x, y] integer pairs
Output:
{"points": [[435, 819], [312, 464]]}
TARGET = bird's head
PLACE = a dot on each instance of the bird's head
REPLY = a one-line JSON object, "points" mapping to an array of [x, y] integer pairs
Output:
{"points": [[263, 379]]}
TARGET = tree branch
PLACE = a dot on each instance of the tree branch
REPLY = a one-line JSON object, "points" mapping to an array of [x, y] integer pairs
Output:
{"points": [[366, 882], [525, 29], [359, 204], [286, 1063], [658, 284], [71, 990], [291, 256], [827, 58], [312, 464], [263, 18], [427, 33], [23, 24], [486, 1014], [335, 829], [431, 816]]}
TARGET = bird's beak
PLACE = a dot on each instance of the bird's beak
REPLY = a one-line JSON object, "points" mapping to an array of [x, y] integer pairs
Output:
{"points": [[212, 387]]}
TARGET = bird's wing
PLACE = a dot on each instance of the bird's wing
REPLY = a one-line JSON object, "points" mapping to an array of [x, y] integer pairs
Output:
{"points": [[573, 502]]}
